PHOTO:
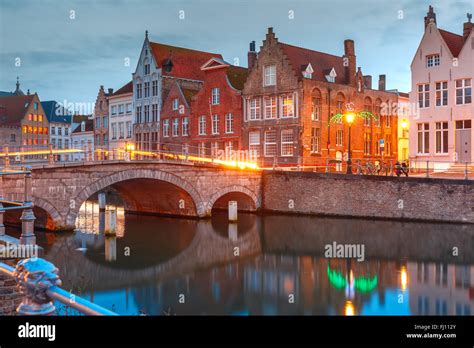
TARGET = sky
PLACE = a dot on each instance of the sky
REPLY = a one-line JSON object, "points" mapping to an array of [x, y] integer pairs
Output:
{"points": [[65, 49]]}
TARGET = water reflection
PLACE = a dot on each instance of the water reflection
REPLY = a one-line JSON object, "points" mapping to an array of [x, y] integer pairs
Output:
{"points": [[153, 262]]}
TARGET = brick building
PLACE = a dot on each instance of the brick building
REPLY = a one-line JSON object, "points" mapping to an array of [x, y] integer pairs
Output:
{"points": [[292, 93], [159, 68], [216, 123], [101, 123]]}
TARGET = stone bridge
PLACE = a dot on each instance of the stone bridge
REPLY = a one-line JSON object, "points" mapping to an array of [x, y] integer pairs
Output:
{"points": [[150, 187]]}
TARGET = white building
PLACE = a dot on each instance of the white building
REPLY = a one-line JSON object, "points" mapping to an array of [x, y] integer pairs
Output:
{"points": [[60, 123], [120, 121], [442, 72], [82, 138]]}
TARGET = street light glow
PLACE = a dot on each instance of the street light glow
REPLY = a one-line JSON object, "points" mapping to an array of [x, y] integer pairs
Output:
{"points": [[350, 117]]}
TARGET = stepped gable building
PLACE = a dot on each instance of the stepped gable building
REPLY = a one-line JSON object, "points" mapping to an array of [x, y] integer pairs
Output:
{"points": [[101, 123], [159, 68], [442, 73], [120, 121], [292, 93]]}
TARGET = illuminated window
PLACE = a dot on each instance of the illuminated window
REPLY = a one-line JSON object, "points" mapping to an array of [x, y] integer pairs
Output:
{"points": [[255, 109], [270, 107], [288, 109], [287, 142]]}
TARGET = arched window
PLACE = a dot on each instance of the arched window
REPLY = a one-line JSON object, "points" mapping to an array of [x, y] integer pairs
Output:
{"points": [[377, 109], [316, 105], [368, 108]]}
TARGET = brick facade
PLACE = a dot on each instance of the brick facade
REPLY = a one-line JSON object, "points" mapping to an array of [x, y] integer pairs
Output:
{"points": [[288, 116], [101, 123]]}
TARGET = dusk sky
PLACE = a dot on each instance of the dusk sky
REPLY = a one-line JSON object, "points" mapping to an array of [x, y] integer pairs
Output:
{"points": [[64, 58]]}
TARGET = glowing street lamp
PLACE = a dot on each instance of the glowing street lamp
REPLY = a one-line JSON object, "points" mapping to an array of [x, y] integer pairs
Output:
{"points": [[349, 119], [404, 124]]}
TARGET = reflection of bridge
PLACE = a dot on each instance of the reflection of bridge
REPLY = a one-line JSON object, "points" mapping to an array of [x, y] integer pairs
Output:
{"points": [[206, 249], [145, 186]]}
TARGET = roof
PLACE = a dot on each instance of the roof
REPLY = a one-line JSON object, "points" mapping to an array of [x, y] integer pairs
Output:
{"points": [[14, 108], [80, 118], [299, 57], [185, 62], [127, 88], [188, 94], [237, 76], [89, 127], [454, 41], [403, 94], [6, 94], [55, 112]]}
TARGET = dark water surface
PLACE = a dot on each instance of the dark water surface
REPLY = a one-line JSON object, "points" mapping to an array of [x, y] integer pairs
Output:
{"points": [[264, 265]]}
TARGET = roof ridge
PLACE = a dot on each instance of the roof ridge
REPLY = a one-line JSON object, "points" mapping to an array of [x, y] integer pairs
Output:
{"points": [[309, 49], [183, 48], [450, 32]]}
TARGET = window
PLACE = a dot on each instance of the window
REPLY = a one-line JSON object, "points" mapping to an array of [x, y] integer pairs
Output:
{"points": [[315, 140], [60, 130], [147, 69], [40, 118], [288, 109], [254, 144], [147, 113], [97, 122], [66, 131], [175, 104], [316, 109], [53, 142], [270, 145], [154, 87], [129, 129], [154, 112], [442, 93], [287, 142], [185, 125], [339, 137], [113, 110], [121, 109], [269, 75], [368, 108], [432, 60], [175, 130], [255, 109], [463, 91], [139, 90], [270, 107], [202, 149], [367, 144], [215, 124], [441, 137], [465, 124], [423, 138], [229, 123], [147, 89], [12, 138], [66, 143], [166, 128], [139, 114], [53, 130], [60, 143], [424, 95], [388, 146], [202, 125], [121, 130], [215, 96], [388, 121], [129, 108], [36, 106]]}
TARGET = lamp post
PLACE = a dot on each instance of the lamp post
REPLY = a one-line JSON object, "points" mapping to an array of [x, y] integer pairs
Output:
{"points": [[349, 119], [130, 147]]}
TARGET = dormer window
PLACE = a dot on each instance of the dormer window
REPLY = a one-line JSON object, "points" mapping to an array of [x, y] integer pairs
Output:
{"points": [[331, 77], [308, 72], [83, 126], [432, 60]]}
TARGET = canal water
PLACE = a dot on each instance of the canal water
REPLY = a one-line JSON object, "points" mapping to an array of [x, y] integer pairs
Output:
{"points": [[263, 265]]}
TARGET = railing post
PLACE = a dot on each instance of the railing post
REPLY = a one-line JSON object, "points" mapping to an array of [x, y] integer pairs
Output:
{"points": [[466, 172], [27, 217], [327, 165], [427, 169], [34, 278], [391, 167]]}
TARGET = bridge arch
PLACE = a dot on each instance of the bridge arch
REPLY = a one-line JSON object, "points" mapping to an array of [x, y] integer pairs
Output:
{"points": [[47, 217], [133, 174], [234, 189]]}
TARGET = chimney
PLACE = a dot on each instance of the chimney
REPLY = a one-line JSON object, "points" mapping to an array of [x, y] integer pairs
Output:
{"points": [[368, 81], [111, 90], [349, 62], [430, 16], [381, 82], [251, 56], [467, 27]]}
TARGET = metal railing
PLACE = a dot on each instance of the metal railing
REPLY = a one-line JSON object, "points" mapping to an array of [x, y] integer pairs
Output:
{"points": [[39, 283]]}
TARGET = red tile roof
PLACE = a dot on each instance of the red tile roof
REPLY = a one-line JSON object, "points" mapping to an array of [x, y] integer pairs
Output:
{"points": [[237, 76], [89, 127], [321, 62], [128, 88], [186, 62], [454, 41], [14, 108]]}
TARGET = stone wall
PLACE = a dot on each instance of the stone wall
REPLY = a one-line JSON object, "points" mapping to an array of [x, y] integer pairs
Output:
{"points": [[10, 297], [369, 196]]}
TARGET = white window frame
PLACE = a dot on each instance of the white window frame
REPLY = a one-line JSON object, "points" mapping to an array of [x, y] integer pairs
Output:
{"points": [[175, 104], [202, 125], [254, 143], [339, 137], [229, 123], [270, 143], [215, 96], [185, 126], [271, 107], [166, 127], [315, 140], [283, 107], [432, 60], [215, 124], [441, 89], [269, 75], [441, 129], [175, 127], [284, 143], [425, 134], [463, 88], [423, 92], [255, 110]]}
